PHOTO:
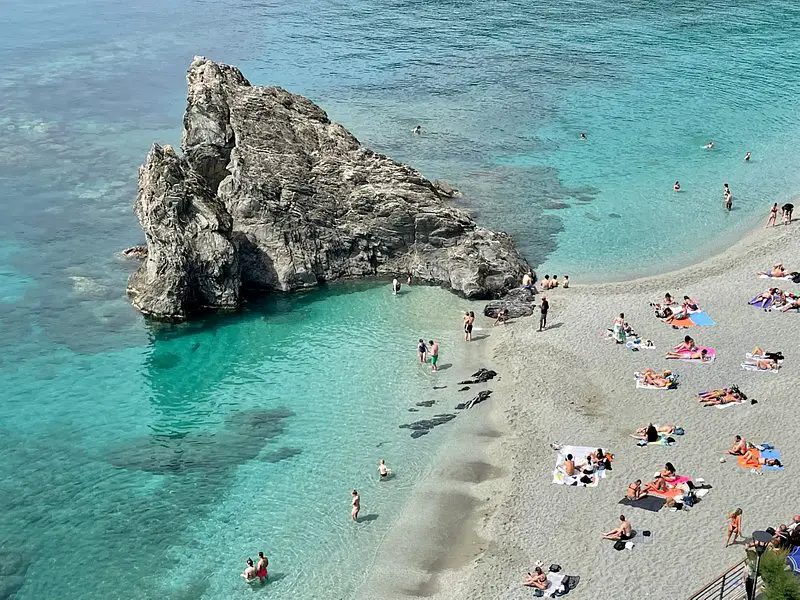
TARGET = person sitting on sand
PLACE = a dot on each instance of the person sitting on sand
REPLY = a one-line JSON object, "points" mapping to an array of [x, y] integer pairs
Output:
{"points": [[668, 301], [565, 285], [546, 282], [739, 447], [770, 364], [687, 345], [734, 526], [635, 491], [502, 317], [554, 282], [537, 579], [623, 532], [569, 466], [658, 485], [601, 459], [668, 472], [777, 270], [701, 355], [688, 305], [769, 295]]}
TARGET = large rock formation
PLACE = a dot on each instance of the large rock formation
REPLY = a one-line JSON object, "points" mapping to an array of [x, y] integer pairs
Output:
{"points": [[272, 195]]}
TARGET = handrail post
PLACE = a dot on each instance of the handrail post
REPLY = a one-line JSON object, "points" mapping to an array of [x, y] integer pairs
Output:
{"points": [[722, 587]]}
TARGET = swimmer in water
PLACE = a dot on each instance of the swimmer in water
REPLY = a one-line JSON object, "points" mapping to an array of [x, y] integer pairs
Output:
{"points": [[583, 136], [250, 574], [395, 286], [383, 470], [261, 568], [747, 157], [417, 130], [677, 186], [356, 502], [709, 145]]}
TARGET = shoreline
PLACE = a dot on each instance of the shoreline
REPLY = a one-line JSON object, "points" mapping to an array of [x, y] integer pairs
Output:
{"points": [[516, 516]]}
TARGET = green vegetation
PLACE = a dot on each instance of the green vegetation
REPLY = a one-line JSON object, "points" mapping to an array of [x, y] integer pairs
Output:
{"points": [[779, 583]]}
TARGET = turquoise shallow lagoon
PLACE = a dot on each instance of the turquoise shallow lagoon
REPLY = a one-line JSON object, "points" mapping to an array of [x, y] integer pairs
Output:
{"points": [[139, 461]]}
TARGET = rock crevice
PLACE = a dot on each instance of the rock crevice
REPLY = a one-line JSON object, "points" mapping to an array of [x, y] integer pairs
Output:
{"points": [[272, 195]]}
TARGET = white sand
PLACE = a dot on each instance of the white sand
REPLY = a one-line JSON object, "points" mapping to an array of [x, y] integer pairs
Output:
{"points": [[488, 510]]}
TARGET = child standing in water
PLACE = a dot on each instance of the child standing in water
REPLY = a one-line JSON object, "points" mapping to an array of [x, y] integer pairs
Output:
{"points": [[356, 502]]}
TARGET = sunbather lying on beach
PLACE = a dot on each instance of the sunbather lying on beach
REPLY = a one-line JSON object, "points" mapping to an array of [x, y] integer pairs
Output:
{"points": [[635, 491], [739, 447], [537, 579], [763, 364], [794, 304], [776, 271], [652, 377], [650, 432], [770, 462], [723, 396], [623, 532], [701, 355]]}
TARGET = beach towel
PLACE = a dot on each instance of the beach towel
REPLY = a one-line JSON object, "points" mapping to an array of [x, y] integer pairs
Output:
{"points": [[682, 323], [670, 493], [678, 479], [727, 405], [701, 318], [784, 278], [639, 344], [650, 503], [751, 367], [794, 559], [556, 585], [663, 440], [772, 453], [750, 463], [711, 354], [762, 303], [579, 455]]}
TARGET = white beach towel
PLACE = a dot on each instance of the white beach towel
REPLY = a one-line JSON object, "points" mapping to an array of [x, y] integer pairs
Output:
{"points": [[579, 455], [749, 367], [556, 584], [784, 278], [727, 405]]}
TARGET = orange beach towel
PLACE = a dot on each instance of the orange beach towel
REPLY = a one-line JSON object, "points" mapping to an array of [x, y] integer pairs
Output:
{"points": [[751, 463]]}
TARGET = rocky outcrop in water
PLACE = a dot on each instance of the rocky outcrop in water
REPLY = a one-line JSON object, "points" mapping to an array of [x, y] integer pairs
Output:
{"points": [[272, 195], [519, 302]]}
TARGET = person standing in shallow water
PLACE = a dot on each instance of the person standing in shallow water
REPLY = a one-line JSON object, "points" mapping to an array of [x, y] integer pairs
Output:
{"points": [[395, 286], [773, 215], [261, 567], [543, 319], [422, 350], [434, 351], [356, 503]]}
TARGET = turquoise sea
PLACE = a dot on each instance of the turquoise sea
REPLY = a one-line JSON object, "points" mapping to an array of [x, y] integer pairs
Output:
{"points": [[147, 461]]}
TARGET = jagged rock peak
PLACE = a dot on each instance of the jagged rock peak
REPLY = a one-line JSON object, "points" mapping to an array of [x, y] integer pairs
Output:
{"points": [[305, 201]]}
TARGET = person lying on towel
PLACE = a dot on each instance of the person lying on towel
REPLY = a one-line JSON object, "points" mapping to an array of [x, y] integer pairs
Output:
{"points": [[764, 364], [623, 532], [652, 377], [739, 447], [776, 271], [701, 355], [650, 432], [751, 456], [687, 306], [723, 396], [791, 305]]}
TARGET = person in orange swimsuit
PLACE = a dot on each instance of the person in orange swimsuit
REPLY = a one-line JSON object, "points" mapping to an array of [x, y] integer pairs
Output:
{"points": [[734, 526], [657, 485]]}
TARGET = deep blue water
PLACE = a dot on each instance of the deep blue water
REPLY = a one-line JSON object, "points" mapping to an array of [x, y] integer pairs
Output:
{"points": [[145, 461]]}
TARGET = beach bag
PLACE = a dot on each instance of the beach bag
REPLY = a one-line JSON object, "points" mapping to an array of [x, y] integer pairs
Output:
{"points": [[619, 545], [795, 277], [689, 499], [555, 568]]}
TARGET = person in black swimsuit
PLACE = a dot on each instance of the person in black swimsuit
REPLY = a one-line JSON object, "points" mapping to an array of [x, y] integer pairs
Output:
{"points": [[787, 213], [543, 318]]}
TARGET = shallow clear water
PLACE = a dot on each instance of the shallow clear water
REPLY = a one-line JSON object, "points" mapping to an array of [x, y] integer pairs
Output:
{"points": [[143, 461]]}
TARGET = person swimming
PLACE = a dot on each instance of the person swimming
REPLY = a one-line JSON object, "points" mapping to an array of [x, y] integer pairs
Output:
{"points": [[677, 186], [395, 286], [250, 573], [417, 130], [709, 145], [747, 156], [583, 135]]}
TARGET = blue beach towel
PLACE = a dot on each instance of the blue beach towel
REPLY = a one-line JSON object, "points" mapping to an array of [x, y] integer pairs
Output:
{"points": [[761, 303], [701, 318], [794, 559], [771, 454]]}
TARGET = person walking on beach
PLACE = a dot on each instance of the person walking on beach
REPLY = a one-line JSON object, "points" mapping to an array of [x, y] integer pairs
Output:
{"points": [[434, 351], [787, 213], [734, 526], [261, 567], [543, 318], [773, 215], [422, 350], [356, 503]]}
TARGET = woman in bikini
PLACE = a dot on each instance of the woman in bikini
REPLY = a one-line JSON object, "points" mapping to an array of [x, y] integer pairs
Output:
{"points": [[773, 215], [356, 503], [718, 397], [701, 355], [687, 345], [734, 526], [764, 364], [658, 485], [635, 491], [668, 472], [537, 580], [651, 377], [750, 456]]}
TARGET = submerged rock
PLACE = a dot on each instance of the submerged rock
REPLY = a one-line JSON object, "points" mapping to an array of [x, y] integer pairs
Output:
{"points": [[272, 195], [420, 428], [480, 397], [479, 376], [520, 302]]}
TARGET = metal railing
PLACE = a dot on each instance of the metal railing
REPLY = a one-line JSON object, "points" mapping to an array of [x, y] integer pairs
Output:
{"points": [[728, 586]]}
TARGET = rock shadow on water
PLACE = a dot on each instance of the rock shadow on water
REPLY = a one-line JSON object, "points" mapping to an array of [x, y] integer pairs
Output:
{"points": [[242, 438]]}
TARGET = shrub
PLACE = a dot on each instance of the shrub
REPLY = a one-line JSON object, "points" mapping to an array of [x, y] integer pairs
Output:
{"points": [[779, 583]]}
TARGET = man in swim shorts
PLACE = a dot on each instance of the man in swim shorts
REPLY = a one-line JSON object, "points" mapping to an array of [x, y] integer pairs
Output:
{"points": [[543, 319], [261, 567], [623, 532], [434, 351]]}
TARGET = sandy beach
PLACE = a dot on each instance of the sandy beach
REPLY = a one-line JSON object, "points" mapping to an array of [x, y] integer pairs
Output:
{"points": [[489, 510]]}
